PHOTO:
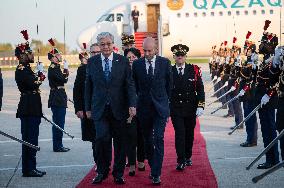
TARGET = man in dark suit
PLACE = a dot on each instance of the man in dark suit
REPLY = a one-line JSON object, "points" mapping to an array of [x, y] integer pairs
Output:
{"points": [[187, 102], [153, 79], [110, 99], [135, 17]]}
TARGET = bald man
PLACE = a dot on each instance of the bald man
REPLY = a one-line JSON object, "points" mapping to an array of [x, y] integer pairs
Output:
{"points": [[153, 78]]}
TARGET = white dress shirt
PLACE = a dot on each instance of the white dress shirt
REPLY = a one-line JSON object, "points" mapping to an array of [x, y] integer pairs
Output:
{"points": [[178, 68], [152, 62], [110, 58]]}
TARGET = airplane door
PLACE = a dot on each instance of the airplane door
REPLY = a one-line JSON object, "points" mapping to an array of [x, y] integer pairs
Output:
{"points": [[153, 13]]}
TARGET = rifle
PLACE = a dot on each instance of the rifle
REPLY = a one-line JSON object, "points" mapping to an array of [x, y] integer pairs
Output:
{"points": [[247, 118], [218, 80], [225, 94], [273, 169], [20, 141], [56, 126], [225, 85]]}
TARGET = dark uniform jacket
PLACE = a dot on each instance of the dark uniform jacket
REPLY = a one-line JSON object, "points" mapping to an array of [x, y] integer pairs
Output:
{"points": [[188, 91], [28, 84], [1, 89], [57, 95]]}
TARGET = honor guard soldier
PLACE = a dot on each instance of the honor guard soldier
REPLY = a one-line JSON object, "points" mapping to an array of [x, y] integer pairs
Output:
{"points": [[57, 100], [30, 107], [277, 70], [186, 103], [247, 77], [87, 125], [266, 96]]}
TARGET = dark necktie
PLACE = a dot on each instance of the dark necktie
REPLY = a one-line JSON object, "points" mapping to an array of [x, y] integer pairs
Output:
{"points": [[180, 71], [106, 71], [150, 70]]}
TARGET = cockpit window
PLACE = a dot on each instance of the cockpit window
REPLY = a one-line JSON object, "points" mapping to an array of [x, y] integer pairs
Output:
{"points": [[119, 17], [107, 17]]}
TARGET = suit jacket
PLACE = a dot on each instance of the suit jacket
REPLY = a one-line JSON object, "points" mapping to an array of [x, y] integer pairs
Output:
{"points": [[154, 92], [79, 88], [121, 87]]}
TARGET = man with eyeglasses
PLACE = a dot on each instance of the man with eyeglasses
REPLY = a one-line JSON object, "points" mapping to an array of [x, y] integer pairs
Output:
{"points": [[153, 80], [110, 99], [95, 49], [187, 102]]}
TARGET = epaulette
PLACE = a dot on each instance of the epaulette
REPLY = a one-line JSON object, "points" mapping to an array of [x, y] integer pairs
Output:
{"points": [[52, 66], [21, 67]]}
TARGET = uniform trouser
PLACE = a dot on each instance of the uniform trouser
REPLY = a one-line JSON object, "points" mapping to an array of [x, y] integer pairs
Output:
{"points": [[131, 142], [184, 136], [237, 111], [30, 131], [140, 143], [153, 132], [251, 123], [107, 127], [268, 129], [280, 123], [58, 117]]}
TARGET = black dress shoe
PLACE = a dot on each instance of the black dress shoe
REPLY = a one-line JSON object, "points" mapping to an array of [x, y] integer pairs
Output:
{"points": [[32, 173], [63, 149], [188, 162], [180, 166], [247, 144], [119, 180], [42, 172], [98, 179], [264, 166], [156, 180], [131, 173]]}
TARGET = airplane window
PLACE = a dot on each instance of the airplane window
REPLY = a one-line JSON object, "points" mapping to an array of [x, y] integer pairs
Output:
{"points": [[212, 13], [110, 18], [262, 11], [254, 12], [195, 14], [103, 18], [271, 11], [204, 14], [187, 14], [220, 13], [178, 15], [237, 13], [246, 12], [229, 13], [119, 17]]}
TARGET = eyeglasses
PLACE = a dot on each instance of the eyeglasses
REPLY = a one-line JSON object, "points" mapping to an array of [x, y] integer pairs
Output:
{"points": [[108, 44]]}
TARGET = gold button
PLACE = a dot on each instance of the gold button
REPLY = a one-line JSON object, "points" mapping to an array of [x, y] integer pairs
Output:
{"points": [[180, 101], [179, 94]]}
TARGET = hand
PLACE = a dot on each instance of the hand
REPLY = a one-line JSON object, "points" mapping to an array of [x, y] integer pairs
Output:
{"points": [[65, 64], [39, 66], [199, 111], [89, 114], [80, 114], [242, 93], [132, 111], [264, 100]]}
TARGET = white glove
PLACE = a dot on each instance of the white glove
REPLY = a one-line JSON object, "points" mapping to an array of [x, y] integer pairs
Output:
{"points": [[39, 66], [276, 59], [242, 93], [215, 78], [219, 79], [264, 100], [226, 83], [199, 112], [233, 88], [65, 64]]}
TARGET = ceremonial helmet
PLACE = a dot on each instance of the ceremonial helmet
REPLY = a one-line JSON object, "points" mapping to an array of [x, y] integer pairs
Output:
{"points": [[23, 48], [84, 53], [54, 50], [179, 49]]}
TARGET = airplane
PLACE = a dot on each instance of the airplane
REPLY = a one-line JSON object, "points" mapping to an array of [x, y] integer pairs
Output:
{"points": [[200, 24]]}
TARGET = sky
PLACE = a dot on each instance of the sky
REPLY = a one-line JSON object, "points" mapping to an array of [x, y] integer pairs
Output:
{"points": [[17, 15]]}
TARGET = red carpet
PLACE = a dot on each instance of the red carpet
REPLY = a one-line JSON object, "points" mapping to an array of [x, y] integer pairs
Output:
{"points": [[200, 175]]}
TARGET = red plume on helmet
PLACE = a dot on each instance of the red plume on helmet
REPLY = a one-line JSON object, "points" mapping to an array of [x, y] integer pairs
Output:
{"points": [[84, 46], [234, 40], [266, 25], [51, 41], [225, 43], [25, 34], [248, 35], [270, 36]]}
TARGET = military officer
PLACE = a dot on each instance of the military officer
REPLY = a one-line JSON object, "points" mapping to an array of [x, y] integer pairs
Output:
{"points": [[57, 100], [30, 107], [128, 41], [186, 103]]}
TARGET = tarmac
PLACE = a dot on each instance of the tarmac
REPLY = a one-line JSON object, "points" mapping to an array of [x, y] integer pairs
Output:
{"points": [[227, 158]]}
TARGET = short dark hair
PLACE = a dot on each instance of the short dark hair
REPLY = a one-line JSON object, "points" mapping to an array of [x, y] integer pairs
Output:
{"points": [[135, 51]]}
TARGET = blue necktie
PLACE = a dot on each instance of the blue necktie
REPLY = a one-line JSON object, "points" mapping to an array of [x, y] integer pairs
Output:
{"points": [[150, 70], [107, 71]]}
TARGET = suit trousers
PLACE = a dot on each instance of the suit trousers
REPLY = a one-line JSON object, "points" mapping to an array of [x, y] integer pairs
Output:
{"points": [[131, 142], [153, 127], [30, 132], [184, 136], [58, 117], [107, 127]]}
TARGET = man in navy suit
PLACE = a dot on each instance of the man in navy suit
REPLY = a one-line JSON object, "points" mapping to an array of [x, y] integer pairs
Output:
{"points": [[153, 79], [110, 99]]}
